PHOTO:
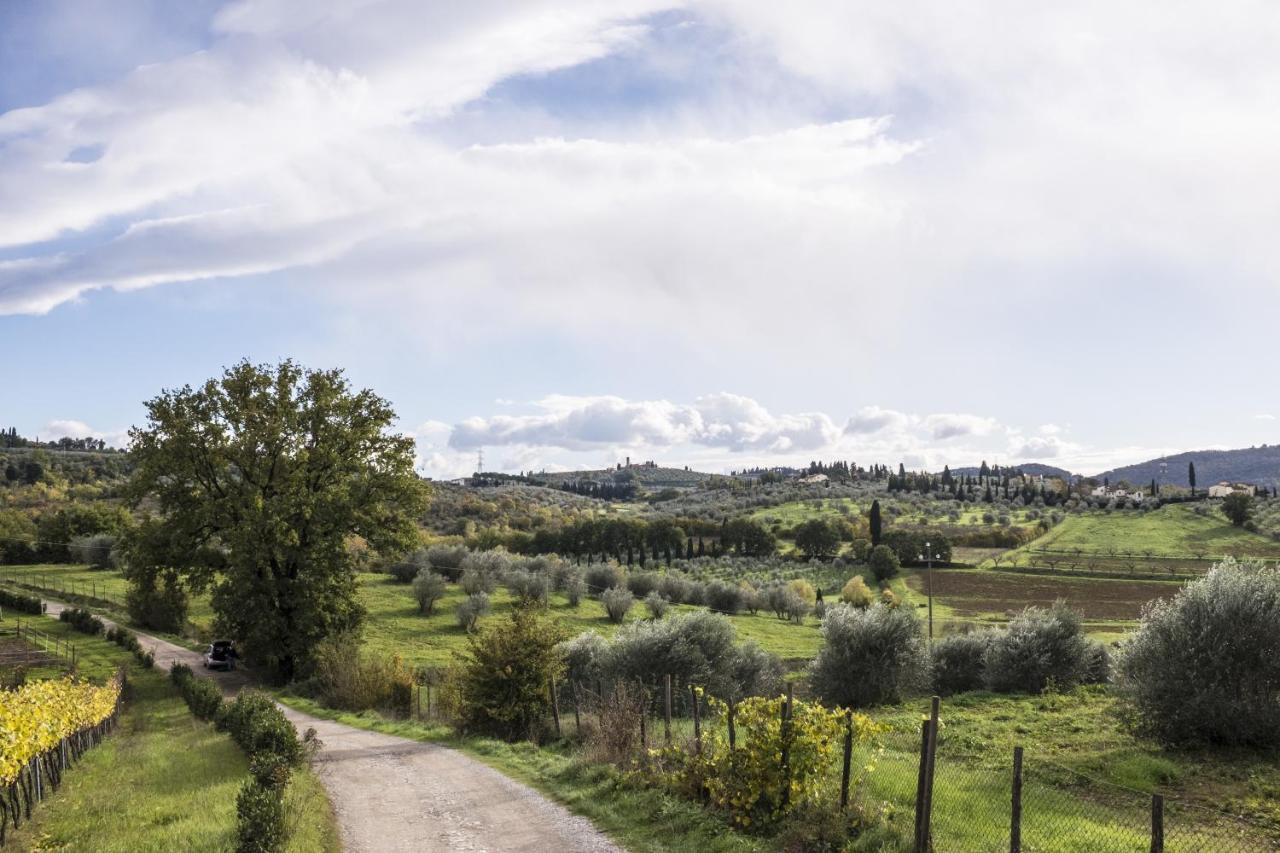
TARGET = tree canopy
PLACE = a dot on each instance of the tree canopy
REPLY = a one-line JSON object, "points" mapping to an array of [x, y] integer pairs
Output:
{"points": [[261, 479]]}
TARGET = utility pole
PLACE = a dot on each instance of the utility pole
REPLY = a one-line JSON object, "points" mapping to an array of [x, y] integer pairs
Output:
{"points": [[928, 557]]}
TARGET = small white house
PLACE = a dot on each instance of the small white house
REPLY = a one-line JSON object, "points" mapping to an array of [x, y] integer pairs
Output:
{"points": [[814, 478], [1221, 490]]}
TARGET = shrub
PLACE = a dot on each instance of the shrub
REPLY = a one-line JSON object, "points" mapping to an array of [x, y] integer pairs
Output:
{"points": [[604, 576], [260, 822], [724, 597], [617, 603], [673, 588], [583, 656], [528, 588], [428, 588], [260, 728], [157, 600], [22, 603], [404, 571], [203, 697], [178, 673], [869, 657], [693, 648], [478, 582], [857, 593], [351, 680], [507, 675], [753, 599], [447, 559], [656, 605], [748, 782], [1204, 666], [574, 588], [1041, 647], [82, 620], [642, 583], [94, 550], [884, 562], [860, 549], [804, 589], [958, 662], [471, 609]]}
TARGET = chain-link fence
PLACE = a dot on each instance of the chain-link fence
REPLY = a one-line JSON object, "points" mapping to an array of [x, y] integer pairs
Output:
{"points": [[1006, 801]]}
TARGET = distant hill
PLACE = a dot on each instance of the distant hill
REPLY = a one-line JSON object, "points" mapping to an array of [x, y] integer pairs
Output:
{"points": [[1033, 469], [1259, 466], [652, 477]]}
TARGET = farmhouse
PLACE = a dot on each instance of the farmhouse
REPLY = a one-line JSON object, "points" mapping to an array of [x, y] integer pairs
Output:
{"points": [[1221, 490]]}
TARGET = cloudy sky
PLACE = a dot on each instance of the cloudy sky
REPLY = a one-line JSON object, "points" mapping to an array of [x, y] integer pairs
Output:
{"points": [[714, 232]]}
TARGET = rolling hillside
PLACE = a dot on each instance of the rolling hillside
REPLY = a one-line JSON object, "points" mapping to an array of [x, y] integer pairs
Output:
{"points": [[1256, 465]]}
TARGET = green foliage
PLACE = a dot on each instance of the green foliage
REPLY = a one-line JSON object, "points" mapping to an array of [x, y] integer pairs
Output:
{"points": [[82, 620], [656, 605], [528, 587], [749, 538], [884, 562], [604, 576], [22, 603], [1040, 648], [817, 538], [96, 550], [507, 676], [958, 662], [1238, 508], [869, 657], [156, 598], [261, 477], [910, 545], [724, 597], [583, 656], [428, 588], [260, 728], [1204, 667], [857, 593], [260, 818], [351, 680], [471, 609], [749, 782], [617, 603]]}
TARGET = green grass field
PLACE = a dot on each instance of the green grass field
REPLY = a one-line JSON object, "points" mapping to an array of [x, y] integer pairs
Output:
{"points": [[1175, 530], [792, 513], [163, 781]]}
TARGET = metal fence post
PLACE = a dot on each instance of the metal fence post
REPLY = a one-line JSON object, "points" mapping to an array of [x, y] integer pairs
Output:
{"points": [[555, 706], [667, 708], [848, 758], [920, 846], [931, 750], [1015, 820], [1157, 823], [697, 720], [785, 731]]}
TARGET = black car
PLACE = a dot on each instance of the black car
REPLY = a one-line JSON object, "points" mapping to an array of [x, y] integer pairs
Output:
{"points": [[221, 654]]}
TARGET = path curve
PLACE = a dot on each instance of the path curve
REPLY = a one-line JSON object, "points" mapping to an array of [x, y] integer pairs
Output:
{"points": [[393, 794]]}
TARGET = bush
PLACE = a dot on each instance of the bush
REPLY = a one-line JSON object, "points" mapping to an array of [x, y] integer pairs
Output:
{"points": [[350, 680], [656, 605], [693, 648], [82, 620], [604, 576], [1204, 666], [447, 560], [673, 588], [857, 593], [883, 562], [642, 583], [203, 697], [583, 656], [617, 603], [528, 588], [574, 588], [506, 680], [1040, 648], [476, 582], [259, 727], [22, 603], [860, 549], [958, 662], [869, 657], [428, 588], [94, 550], [470, 610], [405, 571], [724, 597], [260, 823]]}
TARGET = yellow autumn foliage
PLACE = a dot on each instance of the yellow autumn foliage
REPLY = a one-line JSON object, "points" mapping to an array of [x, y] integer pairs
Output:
{"points": [[36, 716]]}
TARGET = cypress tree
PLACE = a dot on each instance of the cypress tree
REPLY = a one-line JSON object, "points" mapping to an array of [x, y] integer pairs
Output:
{"points": [[1191, 476], [875, 523]]}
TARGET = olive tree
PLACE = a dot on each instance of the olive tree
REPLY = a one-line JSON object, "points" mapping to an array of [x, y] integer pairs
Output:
{"points": [[869, 656]]}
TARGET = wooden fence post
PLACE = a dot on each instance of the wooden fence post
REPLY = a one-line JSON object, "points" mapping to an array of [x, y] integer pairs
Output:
{"points": [[667, 711], [697, 721], [932, 760], [848, 758], [1157, 823], [920, 846], [555, 706], [577, 715], [733, 734], [1015, 819]]}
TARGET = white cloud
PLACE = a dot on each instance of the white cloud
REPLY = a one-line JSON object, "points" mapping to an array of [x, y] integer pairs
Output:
{"points": [[873, 419], [71, 428], [1265, 417], [946, 426], [1040, 447]]}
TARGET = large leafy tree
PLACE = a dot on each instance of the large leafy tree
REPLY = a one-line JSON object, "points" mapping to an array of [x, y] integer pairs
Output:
{"points": [[260, 480]]}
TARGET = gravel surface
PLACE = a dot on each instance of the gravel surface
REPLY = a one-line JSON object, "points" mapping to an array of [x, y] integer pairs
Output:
{"points": [[394, 794]]}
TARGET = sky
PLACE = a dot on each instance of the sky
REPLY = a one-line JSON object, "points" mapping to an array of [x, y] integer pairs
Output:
{"points": [[713, 233]]}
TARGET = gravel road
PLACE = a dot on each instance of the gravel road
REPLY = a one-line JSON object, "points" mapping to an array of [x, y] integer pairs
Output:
{"points": [[394, 794]]}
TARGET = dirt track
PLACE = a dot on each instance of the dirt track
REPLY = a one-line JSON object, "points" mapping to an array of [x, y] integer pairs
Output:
{"points": [[393, 794]]}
